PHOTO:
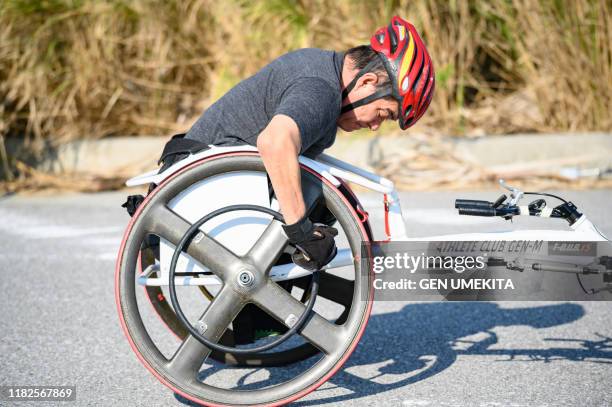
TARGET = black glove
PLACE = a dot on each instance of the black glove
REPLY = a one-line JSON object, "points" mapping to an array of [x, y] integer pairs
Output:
{"points": [[314, 243]]}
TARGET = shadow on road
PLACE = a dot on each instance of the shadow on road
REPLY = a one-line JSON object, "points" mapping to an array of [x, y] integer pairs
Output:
{"points": [[423, 339]]}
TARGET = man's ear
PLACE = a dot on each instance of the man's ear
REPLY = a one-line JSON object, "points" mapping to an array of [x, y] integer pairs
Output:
{"points": [[368, 79]]}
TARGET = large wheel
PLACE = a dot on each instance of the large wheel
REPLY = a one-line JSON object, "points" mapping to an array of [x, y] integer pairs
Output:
{"points": [[333, 288], [185, 367]]}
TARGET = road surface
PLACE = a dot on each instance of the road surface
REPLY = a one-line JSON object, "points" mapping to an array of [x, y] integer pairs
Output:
{"points": [[60, 326]]}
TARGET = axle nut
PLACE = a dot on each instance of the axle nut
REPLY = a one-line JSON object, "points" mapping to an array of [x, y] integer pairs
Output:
{"points": [[246, 278]]}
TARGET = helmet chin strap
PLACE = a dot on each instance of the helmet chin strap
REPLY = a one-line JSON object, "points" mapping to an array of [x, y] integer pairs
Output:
{"points": [[380, 93]]}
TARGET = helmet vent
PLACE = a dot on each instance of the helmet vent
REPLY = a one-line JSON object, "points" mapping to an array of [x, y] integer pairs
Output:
{"points": [[392, 38]]}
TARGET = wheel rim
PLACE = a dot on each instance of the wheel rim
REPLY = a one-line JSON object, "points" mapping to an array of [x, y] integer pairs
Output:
{"points": [[180, 371]]}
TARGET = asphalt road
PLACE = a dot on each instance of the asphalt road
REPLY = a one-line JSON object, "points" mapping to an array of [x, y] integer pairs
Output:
{"points": [[59, 324]]}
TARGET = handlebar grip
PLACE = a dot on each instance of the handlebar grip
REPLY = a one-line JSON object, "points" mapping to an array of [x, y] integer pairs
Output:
{"points": [[473, 203], [477, 211]]}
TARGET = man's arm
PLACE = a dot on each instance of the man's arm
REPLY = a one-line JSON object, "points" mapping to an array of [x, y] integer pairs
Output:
{"points": [[279, 146]]}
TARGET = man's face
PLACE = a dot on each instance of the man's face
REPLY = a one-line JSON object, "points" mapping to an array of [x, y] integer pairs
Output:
{"points": [[370, 115]]}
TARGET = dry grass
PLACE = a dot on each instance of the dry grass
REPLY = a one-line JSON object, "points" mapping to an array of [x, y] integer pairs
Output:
{"points": [[31, 180], [90, 68]]}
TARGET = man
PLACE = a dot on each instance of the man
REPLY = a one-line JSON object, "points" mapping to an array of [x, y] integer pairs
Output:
{"points": [[295, 104]]}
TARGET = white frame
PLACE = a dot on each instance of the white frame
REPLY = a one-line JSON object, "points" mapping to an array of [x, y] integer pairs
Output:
{"points": [[333, 169]]}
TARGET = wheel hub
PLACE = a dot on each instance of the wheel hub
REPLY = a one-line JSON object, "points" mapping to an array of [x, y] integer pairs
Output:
{"points": [[245, 278]]}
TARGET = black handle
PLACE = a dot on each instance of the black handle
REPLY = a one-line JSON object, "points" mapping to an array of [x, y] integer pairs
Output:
{"points": [[473, 203], [499, 201], [477, 211]]}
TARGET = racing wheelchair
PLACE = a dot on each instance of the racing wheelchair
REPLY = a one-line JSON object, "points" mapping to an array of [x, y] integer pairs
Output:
{"points": [[206, 289]]}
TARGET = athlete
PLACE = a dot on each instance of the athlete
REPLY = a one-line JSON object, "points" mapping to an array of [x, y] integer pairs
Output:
{"points": [[294, 106]]}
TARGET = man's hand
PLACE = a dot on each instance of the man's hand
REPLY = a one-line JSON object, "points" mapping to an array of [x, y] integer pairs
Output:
{"points": [[314, 243]]}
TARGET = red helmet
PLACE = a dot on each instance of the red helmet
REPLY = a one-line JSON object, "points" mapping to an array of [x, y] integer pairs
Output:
{"points": [[409, 67]]}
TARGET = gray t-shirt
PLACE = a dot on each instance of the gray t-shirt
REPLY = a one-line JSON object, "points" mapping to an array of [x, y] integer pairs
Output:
{"points": [[304, 85]]}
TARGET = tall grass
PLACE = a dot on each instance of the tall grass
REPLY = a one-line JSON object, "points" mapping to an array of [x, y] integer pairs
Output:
{"points": [[91, 68]]}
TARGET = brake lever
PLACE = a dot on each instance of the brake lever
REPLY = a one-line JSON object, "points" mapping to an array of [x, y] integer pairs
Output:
{"points": [[515, 193]]}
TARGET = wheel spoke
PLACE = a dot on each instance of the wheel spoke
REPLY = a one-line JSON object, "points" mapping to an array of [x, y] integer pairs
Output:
{"points": [[281, 305], [190, 355], [203, 248], [268, 247]]}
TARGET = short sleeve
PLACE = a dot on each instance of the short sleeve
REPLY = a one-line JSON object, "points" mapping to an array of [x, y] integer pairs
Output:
{"points": [[314, 106]]}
